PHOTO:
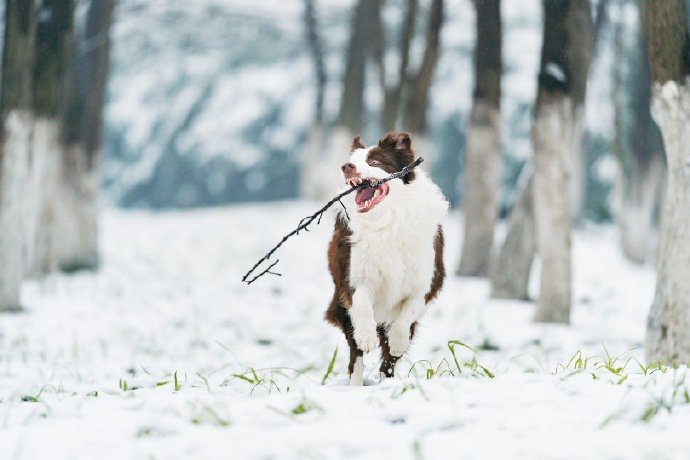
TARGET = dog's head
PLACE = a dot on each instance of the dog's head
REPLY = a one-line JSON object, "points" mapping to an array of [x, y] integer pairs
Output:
{"points": [[392, 153]]}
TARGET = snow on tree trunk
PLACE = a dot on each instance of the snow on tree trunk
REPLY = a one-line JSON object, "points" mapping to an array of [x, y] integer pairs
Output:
{"points": [[555, 125], [482, 189], [510, 270], [668, 325]]}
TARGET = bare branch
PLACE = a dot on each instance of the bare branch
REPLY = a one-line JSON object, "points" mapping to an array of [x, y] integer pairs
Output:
{"points": [[304, 223], [267, 271]]}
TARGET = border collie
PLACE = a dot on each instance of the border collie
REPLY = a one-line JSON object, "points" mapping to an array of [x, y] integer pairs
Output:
{"points": [[386, 254]]}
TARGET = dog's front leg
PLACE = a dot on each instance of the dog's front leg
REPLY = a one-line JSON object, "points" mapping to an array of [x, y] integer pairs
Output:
{"points": [[363, 322], [400, 330]]}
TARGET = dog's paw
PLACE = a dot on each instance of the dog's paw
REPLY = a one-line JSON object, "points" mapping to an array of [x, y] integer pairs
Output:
{"points": [[366, 338], [398, 341]]}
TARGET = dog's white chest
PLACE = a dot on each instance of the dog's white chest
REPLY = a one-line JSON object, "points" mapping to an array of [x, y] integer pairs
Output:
{"points": [[392, 247], [394, 263]]}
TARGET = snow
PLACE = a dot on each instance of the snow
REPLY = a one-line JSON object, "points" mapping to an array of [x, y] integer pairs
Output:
{"points": [[88, 371], [555, 71]]}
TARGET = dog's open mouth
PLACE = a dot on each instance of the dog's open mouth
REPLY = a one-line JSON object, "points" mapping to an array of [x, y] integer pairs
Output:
{"points": [[367, 198]]}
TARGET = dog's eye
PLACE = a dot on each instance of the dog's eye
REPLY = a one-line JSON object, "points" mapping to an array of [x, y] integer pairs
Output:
{"points": [[374, 163]]}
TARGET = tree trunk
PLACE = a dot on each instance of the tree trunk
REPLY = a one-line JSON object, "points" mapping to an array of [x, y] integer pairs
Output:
{"points": [[351, 114], [510, 271], [668, 324], [314, 142], [77, 231], [393, 93], [16, 119], [638, 144], [483, 148], [637, 211], [418, 86], [556, 137], [54, 57]]}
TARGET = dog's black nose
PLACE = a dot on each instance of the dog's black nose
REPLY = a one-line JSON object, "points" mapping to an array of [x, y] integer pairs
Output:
{"points": [[348, 168]]}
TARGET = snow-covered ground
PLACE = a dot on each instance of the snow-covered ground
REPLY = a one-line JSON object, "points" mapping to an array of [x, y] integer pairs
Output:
{"points": [[164, 354]]}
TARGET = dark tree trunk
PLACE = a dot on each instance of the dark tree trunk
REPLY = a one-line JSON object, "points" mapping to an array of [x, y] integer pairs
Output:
{"points": [[393, 93], [352, 102], [94, 68], [667, 31], [16, 121], [54, 58], [557, 135], [351, 114], [637, 145], [83, 129], [668, 324], [316, 50], [419, 85], [18, 56], [483, 148], [309, 180]]}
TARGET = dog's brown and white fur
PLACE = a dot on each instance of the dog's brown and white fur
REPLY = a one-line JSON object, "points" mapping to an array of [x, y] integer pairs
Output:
{"points": [[386, 260]]}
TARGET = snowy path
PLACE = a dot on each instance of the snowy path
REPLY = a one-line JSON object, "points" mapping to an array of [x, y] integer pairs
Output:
{"points": [[142, 360]]}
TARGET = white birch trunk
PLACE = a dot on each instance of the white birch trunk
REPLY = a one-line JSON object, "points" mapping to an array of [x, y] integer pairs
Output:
{"points": [[482, 188], [578, 177], [668, 324], [45, 178], [511, 269], [554, 131], [636, 215], [329, 175], [310, 161], [423, 147], [14, 170], [76, 229]]}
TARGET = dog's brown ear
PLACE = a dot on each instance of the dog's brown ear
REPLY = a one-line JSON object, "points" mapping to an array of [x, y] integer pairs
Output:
{"points": [[356, 144], [403, 142], [397, 141]]}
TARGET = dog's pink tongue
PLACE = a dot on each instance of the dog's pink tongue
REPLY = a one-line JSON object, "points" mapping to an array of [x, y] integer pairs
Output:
{"points": [[364, 195]]}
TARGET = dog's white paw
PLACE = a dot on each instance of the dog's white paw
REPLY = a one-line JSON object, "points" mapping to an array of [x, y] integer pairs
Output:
{"points": [[366, 338], [398, 341]]}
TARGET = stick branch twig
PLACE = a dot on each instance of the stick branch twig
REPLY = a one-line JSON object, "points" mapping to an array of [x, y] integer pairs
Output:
{"points": [[304, 223]]}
